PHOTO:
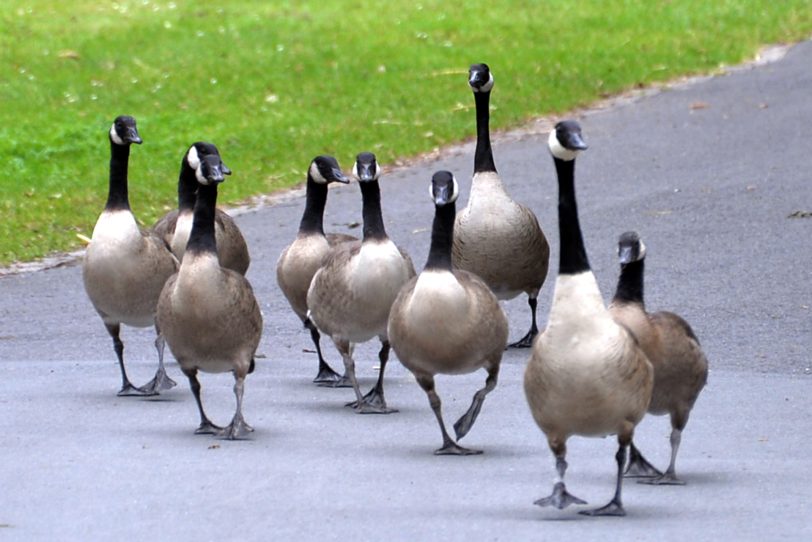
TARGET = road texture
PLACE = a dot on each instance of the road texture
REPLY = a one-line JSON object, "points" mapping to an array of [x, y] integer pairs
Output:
{"points": [[716, 175]]}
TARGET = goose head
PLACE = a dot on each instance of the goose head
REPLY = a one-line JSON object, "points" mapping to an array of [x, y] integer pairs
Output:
{"points": [[444, 188], [123, 131], [565, 141], [366, 167], [325, 169], [204, 159], [630, 248], [480, 78]]}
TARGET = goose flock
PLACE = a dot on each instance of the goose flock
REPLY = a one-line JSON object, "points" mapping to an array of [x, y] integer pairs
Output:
{"points": [[594, 370]]}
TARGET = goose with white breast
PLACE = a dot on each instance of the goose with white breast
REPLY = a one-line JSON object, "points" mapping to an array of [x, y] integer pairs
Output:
{"points": [[586, 375], [447, 321], [300, 260], [124, 267], [350, 297], [208, 313], [495, 237]]}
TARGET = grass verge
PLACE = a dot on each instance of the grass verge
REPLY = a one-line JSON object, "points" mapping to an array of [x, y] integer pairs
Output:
{"points": [[275, 83]]}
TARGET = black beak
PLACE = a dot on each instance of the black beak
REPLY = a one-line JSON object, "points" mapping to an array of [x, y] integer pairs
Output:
{"points": [[575, 142], [225, 169], [133, 137], [441, 195], [625, 254], [339, 177], [365, 172]]}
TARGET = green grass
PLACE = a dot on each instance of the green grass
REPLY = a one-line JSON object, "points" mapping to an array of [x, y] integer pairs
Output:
{"points": [[275, 83]]}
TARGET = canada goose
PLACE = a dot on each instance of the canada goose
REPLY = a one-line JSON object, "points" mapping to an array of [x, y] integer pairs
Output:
{"points": [[680, 367], [495, 237], [350, 296], [124, 268], [301, 259], [174, 227], [207, 312], [586, 374], [447, 320]]}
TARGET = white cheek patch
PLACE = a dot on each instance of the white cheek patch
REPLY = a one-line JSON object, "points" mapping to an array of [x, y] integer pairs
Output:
{"points": [[558, 150], [316, 174], [355, 170], [456, 191], [192, 158], [489, 85], [200, 177], [642, 253], [114, 136]]}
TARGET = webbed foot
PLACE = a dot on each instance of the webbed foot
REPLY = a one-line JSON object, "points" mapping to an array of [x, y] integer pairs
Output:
{"points": [[452, 448], [208, 428], [328, 378], [372, 403], [236, 430], [160, 382], [524, 342], [128, 390], [614, 508], [560, 498], [666, 479]]}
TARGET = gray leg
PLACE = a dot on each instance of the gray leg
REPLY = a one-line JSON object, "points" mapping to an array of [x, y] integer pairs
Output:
{"points": [[527, 340], [374, 401], [206, 426], [449, 446], [638, 466], [237, 428], [615, 506], [669, 477], [127, 388], [560, 497], [467, 420], [161, 381], [326, 376]]}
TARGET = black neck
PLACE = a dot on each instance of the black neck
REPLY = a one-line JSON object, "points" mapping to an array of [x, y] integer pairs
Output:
{"points": [[630, 282], [187, 187], [373, 219], [483, 157], [202, 238], [315, 200], [442, 234], [117, 194], [573, 258]]}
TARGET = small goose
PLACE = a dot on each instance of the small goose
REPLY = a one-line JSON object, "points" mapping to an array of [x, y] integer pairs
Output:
{"points": [[350, 296], [586, 374], [301, 259], [448, 321], [124, 268], [495, 237], [680, 367], [208, 313], [175, 226]]}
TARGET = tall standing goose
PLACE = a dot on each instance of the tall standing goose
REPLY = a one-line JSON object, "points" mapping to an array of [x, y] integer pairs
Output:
{"points": [[124, 267], [175, 226], [680, 366], [495, 237], [302, 258], [586, 374], [447, 321], [208, 313], [350, 297]]}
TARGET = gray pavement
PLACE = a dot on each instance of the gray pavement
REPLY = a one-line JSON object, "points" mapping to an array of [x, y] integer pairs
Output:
{"points": [[708, 171]]}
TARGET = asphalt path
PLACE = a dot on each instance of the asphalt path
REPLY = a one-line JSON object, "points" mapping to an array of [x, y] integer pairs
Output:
{"points": [[716, 175]]}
